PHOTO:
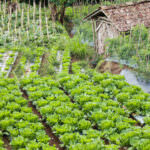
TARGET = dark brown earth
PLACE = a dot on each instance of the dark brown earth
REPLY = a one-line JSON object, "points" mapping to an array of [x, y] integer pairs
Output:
{"points": [[112, 67], [54, 139], [6, 142]]}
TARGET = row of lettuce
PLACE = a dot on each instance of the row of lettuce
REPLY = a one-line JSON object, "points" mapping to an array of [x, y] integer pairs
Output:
{"points": [[92, 111], [23, 61], [108, 102], [7, 59], [68, 122], [18, 121]]}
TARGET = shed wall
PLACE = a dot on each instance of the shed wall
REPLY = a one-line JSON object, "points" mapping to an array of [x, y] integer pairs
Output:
{"points": [[104, 30]]}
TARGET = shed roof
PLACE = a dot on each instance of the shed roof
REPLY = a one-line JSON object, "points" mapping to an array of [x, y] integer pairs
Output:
{"points": [[126, 16]]}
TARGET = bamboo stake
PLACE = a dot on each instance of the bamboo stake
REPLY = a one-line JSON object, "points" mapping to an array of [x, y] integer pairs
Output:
{"points": [[16, 21], [3, 22], [28, 16], [4, 9], [22, 18], [34, 10], [29, 4], [40, 19], [9, 21], [44, 6], [20, 35], [0, 5], [93, 28], [46, 19], [28, 34], [47, 28]]}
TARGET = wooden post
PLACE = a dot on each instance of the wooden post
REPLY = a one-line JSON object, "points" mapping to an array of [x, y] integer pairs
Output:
{"points": [[22, 17], [47, 27], [93, 28], [16, 20], [28, 16], [40, 19], [4, 9], [20, 35], [0, 5], [9, 21]]}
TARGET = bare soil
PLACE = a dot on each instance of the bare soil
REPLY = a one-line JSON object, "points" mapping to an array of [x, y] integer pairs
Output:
{"points": [[123, 148], [112, 67], [6, 142], [54, 139]]}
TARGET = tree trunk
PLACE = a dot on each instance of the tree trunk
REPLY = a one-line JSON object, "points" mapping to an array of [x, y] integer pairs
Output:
{"points": [[62, 14], [54, 12]]}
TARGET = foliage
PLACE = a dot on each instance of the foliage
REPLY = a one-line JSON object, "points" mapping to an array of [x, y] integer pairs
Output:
{"points": [[61, 2], [76, 47], [134, 48]]}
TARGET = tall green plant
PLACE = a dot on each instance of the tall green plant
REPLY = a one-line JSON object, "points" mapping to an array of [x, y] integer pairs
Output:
{"points": [[134, 48], [77, 47]]}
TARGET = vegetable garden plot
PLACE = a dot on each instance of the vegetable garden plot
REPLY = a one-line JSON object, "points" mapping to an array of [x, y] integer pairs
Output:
{"points": [[7, 60], [95, 97], [66, 61], [11, 62], [17, 120], [25, 23], [65, 118], [59, 61], [76, 68], [28, 68], [33, 67], [53, 139], [94, 105], [82, 119], [29, 61], [4, 61], [63, 58]]}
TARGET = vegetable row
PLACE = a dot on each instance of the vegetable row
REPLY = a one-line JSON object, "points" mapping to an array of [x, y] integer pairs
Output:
{"points": [[65, 117], [107, 101], [18, 121], [7, 59]]}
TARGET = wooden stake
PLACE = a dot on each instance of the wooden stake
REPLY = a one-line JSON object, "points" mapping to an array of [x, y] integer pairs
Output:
{"points": [[93, 27], [0, 5], [22, 17], [40, 20], [47, 28]]}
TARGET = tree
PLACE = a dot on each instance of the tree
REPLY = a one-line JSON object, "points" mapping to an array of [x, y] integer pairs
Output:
{"points": [[59, 14]]}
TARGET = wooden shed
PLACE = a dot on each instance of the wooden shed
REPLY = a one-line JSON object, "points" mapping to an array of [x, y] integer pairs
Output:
{"points": [[110, 21]]}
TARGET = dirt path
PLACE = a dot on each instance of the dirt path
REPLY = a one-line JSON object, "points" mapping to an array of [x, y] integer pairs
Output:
{"points": [[54, 139]]}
